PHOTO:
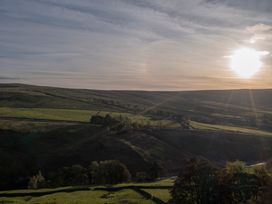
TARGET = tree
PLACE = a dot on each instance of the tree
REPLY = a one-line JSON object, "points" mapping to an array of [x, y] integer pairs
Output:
{"points": [[74, 175], [93, 172], [200, 183], [109, 172], [36, 181], [266, 195], [236, 185], [154, 170], [235, 167], [97, 120], [141, 176], [196, 184]]}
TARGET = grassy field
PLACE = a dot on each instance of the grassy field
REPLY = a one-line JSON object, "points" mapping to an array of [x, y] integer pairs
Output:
{"points": [[162, 194], [73, 116], [206, 126], [163, 182], [70, 115], [126, 196], [30, 126], [84, 197]]}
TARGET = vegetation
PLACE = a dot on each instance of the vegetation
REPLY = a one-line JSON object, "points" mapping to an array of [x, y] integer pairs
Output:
{"points": [[37, 181], [199, 182], [109, 172], [214, 127], [51, 137], [103, 172], [82, 197], [24, 153], [70, 115]]}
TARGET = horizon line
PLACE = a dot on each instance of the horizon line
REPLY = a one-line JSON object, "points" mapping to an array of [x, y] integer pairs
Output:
{"points": [[133, 90]]}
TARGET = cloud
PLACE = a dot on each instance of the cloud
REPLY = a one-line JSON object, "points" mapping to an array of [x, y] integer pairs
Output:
{"points": [[259, 28], [125, 42], [260, 32], [8, 78]]}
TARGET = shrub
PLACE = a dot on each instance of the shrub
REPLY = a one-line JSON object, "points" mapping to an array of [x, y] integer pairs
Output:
{"points": [[141, 177], [200, 183], [36, 181], [196, 184], [109, 172], [74, 175]]}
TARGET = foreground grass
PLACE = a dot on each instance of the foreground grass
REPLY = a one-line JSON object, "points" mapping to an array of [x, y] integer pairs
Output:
{"points": [[94, 197], [206, 126], [162, 194], [163, 182], [84, 197]]}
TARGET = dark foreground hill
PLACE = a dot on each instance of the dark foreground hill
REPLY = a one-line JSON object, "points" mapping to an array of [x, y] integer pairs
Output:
{"points": [[23, 154]]}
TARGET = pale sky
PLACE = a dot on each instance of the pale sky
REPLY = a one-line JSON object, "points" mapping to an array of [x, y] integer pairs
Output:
{"points": [[133, 44]]}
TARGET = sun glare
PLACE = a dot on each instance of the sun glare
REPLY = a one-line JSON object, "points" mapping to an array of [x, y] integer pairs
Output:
{"points": [[246, 62]]}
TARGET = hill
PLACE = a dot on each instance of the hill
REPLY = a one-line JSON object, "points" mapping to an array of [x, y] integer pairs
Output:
{"points": [[251, 108], [44, 128]]}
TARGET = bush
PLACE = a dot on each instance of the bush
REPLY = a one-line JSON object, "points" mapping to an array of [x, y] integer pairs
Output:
{"points": [[36, 181], [200, 183], [74, 175], [142, 177], [196, 184], [109, 172]]}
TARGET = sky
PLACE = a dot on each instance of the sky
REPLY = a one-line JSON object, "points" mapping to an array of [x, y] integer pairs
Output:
{"points": [[133, 44]]}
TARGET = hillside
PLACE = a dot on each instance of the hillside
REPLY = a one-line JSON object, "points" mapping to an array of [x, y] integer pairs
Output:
{"points": [[251, 108], [44, 128]]}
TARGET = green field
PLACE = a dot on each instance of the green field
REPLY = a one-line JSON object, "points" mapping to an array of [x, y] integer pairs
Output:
{"points": [[162, 194], [84, 197], [126, 196], [214, 127], [74, 116], [70, 115]]}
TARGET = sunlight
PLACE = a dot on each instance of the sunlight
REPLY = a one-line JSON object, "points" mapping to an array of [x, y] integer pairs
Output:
{"points": [[246, 62]]}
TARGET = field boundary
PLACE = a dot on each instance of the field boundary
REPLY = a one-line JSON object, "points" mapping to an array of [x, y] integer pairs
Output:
{"points": [[37, 194], [138, 189]]}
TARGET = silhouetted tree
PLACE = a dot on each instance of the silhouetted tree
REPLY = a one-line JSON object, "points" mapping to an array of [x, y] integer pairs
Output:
{"points": [[196, 184], [154, 170], [236, 184], [141, 176], [109, 172], [74, 175]]}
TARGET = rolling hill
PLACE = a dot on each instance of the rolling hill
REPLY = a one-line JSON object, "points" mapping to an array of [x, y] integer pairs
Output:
{"points": [[44, 128]]}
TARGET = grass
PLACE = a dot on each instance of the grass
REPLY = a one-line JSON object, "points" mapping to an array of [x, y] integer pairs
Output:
{"points": [[83, 197], [95, 197], [30, 126], [73, 116], [206, 126], [37, 190], [162, 194], [163, 182]]}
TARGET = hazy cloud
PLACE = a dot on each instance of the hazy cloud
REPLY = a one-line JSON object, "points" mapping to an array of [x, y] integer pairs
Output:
{"points": [[8, 78], [259, 28]]}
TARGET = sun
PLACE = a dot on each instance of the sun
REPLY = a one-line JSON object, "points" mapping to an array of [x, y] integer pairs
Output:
{"points": [[246, 62]]}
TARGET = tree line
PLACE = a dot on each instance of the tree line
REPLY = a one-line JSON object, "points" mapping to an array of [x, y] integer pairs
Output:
{"points": [[97, 173]]}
